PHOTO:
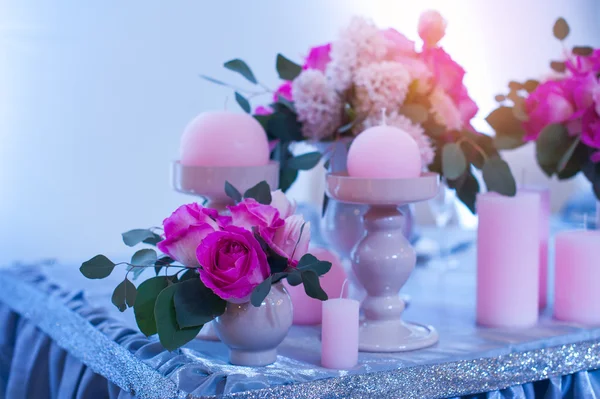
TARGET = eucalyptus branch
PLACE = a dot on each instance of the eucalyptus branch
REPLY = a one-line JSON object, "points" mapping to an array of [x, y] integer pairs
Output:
{"points": [[474, 145]]}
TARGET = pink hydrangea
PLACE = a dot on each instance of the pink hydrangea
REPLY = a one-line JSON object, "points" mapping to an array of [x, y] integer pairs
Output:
{"points": [[398, 45], [380, 85]]}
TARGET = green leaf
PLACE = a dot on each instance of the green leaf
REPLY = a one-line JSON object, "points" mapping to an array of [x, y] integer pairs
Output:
{"points": [[503, 142], [454, 162], [467, 191], [189, 274], [124, 295], [260, 292], [144, 257], [514, 86], [242, 68], [284, 127], [305, 161], [134, 237], [136, 270], [551, 145], [499, 98], [287, 177], [498, 177], [530, 85], [294, 278], [195, 304], [558, 66], [583, 51], [232, 192], [562, 163], [505, 123], [243, 102], [310, 262], [162, 261], [97, 267], [260, 192], [171, 336], [215, 81], [286, 69], [325, 205], [312, 287], [263, 120], [144, 304], [286, 103], [561, 29]]}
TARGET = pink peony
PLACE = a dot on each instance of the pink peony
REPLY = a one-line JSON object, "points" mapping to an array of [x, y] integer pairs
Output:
{"points": [[590, 128], [547, 104], [185, 229], [249, 214], [318, 58], [447, 74], [281, 202], [292, 239], [432, 28], [285, 91], [232, 263]]}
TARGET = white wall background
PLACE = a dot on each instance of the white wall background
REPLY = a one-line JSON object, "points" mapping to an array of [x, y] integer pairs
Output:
{"points": [[94, 94]]}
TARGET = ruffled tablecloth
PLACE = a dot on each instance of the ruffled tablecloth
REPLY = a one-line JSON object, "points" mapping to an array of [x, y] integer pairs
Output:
{"points": [[61, 338]]}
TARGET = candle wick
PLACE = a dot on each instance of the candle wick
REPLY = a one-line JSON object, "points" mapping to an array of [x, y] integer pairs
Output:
{"points": [[383, 118], [343, 286]]}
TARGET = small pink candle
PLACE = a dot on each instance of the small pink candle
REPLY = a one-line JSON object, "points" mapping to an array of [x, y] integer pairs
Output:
{"points": [[544, 194], [339, 334], [577, 274], [508, 240], [224, 139], [307, 310]]}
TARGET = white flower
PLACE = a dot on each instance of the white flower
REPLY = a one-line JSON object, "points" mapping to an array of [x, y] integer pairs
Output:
{"points": [[380, 85], [318, 105], [415, 131]]}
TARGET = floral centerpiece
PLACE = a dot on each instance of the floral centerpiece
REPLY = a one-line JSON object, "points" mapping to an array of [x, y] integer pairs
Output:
{"points": [[561, 114], [217, 261], [343, 87]]}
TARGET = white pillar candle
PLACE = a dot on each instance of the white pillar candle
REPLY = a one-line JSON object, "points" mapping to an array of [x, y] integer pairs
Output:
{"points": [[577, 274], [508, 254], [339, 334]]}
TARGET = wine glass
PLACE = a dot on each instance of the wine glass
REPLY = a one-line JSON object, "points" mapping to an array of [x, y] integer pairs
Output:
{"points": [[443, 208]]}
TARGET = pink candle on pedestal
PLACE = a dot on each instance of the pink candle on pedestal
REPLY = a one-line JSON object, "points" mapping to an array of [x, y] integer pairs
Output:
{"points": [[577, 274], [339, 334], [544, 194], [307, 310], [508, 240], [223, 138]]}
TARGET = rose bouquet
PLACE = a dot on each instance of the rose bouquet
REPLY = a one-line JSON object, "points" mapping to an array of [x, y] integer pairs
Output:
{"points": [[370, 76], [218, 260], [561, 114]]}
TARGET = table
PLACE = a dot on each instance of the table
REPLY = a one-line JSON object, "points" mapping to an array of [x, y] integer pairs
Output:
{"points": [[62, 337]]}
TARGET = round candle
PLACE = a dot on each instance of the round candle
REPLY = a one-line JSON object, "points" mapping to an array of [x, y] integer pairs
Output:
{"points": [[339, 334], [577, 273], [307, 310], [384, 152], [508, 252], [223, 138]]}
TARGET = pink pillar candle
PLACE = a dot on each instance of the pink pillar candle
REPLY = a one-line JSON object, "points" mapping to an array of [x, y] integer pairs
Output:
{"points": [[339, 334], [544, 194], [577, 274], [508, 240]]}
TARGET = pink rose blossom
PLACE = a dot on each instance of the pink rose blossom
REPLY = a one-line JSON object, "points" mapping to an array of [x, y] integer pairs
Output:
{"points": [[580, 89], [262, 110], [596, 98], [184, 231], [466, 106], [285, 91], [249, 214], [447, 74], [292, 239], [281, 202], [590, 128], [398, 44], [232, 263], [318, 58], [584, 64], [547, 104], [432, 28]]}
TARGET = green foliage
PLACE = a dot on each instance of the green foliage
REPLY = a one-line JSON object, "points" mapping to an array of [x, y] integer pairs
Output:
{"points": [[498, 177], [145, 302], [312, 287], [467, 191], [97, 267], [134, 237], [561, 29], [260, 192], [170, 334], [558, 66], [242, 68], [286, 69], [232, 192], [161, 262], [583, 51], [195, 304], [454, 162], [124, 295], [509, 129], [260, 292], [243, 102], [305, 161], [551, 145]]}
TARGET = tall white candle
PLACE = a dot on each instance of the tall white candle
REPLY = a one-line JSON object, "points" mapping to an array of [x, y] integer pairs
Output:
{"points": [[508, 240], [339, 334]]}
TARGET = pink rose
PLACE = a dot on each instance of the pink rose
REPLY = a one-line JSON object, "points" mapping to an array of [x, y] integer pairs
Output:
{"points": [[292, 239], [285, 91], [318, 58], [447, 74], [262, 110], [547, 104], [584, 64], [466, 106], [232, 263], [432, 28], [280, 202], [590, 128], [581, 90], [184, 231], [249, 213], [596, 98], [398, 44]]}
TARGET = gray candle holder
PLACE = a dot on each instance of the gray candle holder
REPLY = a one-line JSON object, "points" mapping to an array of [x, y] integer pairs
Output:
{"points": [[383, 259]]}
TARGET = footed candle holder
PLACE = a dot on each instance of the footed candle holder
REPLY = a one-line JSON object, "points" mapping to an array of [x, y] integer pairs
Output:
{"points": [[209, 182], [383, 259]]}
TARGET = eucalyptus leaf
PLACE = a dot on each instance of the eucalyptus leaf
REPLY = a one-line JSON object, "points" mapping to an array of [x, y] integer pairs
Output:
{"points": [[171, 336], [189, 274], [162, 261], [143, 308], [242, 68], [124, 295], [305, 161], [286, 69], [583, 51], [551, 145], [530, 85], [467, 191], [310, 262], [287, 177], [558, 66], [514, 86], [499, 98], [454, 162], [243, 102], [97, 267], [144, 257], [294, 278], [135, 270], [498, 177], [561, 29], [562, 163], [284, 127], [261, 192], [285, 102], [232, 192], [417, 113], [195, 304], [503, 142], [312, 287], [260, 292], [505, 123], [134, 237]]}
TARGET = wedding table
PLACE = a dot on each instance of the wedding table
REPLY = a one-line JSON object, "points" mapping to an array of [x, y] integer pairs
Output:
{"points": [[61, 337]]}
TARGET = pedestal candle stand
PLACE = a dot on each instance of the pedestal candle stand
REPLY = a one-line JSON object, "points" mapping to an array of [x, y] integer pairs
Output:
{"points": [[209, 182], [383, 259]]}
